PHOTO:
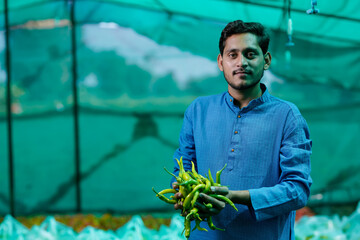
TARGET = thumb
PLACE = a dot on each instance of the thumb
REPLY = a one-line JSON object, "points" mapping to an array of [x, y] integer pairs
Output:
{"points": [[219, 190]]}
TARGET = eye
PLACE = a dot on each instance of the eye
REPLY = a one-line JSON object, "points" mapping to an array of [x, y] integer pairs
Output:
{"points": [[232, 55], [251, 55]]}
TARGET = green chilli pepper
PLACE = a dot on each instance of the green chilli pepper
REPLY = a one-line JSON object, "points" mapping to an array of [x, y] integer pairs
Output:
{"points": [[163, 198], [190, 196], [212, 226], [207, 185], [193, 170], [189, 182], [195, 197], [187, 229], [211, 178], [193, 212], [169, 190], [178, 179], [197, 226], [218, 173], [184, 175], [225, 199], [208, 205]]}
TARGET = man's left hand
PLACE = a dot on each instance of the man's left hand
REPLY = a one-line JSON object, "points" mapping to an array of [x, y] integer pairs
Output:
{"points": [[204, 201]]}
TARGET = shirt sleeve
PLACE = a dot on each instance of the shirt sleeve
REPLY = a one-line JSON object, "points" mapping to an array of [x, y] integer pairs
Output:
{"points": [[186, 148], [293, 189]]}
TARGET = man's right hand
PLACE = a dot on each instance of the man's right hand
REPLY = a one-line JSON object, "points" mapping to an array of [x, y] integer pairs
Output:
{"points": [[178, 196]]}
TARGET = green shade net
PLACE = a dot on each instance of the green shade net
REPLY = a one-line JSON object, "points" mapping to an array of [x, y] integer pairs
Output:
{"points": [[139, 65]]}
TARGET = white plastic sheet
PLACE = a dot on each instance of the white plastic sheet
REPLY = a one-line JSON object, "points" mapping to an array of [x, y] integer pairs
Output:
{"points": [[50, 229]]}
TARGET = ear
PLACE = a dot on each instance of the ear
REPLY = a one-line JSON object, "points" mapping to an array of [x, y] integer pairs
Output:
{"points": [[267, 58], [220, 61]]}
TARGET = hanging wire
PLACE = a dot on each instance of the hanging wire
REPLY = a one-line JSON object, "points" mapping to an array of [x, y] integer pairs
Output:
{"points": [[289, 27], [313, 9], [289, 43]]}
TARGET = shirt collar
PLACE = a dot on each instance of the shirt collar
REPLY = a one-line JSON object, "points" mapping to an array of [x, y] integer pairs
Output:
{"points": [[253, 103]]}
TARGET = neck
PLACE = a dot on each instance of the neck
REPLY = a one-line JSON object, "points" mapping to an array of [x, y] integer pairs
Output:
{"points": [[243, 97]]}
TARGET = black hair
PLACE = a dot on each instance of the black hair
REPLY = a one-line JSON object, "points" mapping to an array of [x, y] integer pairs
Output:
{"points": [[238, 26]]}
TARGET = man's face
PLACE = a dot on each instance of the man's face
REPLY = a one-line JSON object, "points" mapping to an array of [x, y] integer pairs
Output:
{"points": [[243, 61]]}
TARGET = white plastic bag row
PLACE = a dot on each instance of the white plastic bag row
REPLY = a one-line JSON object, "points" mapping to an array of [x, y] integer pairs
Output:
{"points": [[50, 229], [325, 227], [307, 228]]}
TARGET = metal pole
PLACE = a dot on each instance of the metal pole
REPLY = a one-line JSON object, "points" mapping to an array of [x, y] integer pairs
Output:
{"points": [[76, 108], [8, 111]]}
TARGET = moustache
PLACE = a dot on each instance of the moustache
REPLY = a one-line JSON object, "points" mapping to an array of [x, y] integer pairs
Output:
{"points": [[241, 71]]}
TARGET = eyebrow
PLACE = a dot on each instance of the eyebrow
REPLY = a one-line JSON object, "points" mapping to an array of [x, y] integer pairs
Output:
{"points": [[244, 50], [251, 49]]}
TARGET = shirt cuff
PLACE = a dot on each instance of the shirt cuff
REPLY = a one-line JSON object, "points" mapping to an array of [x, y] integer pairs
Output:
{"points": [[260, 209]]}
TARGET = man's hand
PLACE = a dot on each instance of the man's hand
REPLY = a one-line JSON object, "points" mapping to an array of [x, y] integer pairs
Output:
{"points": [[222, 191], [178, 196], [209, 206]]}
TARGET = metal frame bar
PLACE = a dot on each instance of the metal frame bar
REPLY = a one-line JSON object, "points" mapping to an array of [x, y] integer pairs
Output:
{"points": [[76, 105], [8, 111]]}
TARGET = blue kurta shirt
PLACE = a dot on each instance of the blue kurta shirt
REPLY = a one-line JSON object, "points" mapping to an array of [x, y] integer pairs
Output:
{"points": [[267, 149]]}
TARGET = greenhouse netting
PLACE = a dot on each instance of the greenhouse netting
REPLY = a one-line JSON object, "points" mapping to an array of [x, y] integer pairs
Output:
{"points": [[92, 95]]}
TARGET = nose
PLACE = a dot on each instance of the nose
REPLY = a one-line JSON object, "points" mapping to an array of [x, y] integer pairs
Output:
{"points": [[241, 61]]}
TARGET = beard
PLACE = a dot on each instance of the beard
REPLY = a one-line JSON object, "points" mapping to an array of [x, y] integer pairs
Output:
{"points": [[243, 87]]}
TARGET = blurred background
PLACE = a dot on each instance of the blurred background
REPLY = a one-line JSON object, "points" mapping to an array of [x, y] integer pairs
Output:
{"points": [[92, 95]]}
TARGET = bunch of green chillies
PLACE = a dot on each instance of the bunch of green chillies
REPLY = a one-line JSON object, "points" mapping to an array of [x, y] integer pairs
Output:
{"points": [[191, 184]]}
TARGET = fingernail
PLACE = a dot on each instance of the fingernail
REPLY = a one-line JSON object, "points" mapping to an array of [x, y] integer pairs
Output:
{"points": [[212, 189]]}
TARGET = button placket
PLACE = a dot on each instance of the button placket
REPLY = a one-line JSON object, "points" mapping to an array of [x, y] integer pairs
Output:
{"points": [[235, 142]]}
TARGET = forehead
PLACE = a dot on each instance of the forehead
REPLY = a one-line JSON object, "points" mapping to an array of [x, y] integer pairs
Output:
{"points": [[242, 41]]}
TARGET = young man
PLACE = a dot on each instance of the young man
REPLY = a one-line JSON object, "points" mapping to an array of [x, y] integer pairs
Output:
{"points": [[263, 140]]}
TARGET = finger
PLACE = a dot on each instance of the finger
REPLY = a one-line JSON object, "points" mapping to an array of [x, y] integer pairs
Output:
{"points": [[201, 207], [213, 211], [185, 213], [204, 215], [178, 206], [175, 185], [205, 210], [216, 203], [178, 195], [220, 190]]}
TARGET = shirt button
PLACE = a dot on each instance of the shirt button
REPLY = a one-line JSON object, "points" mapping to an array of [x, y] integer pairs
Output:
{"points": [[239, 116], [230, 100], [232, 150], [236, 132]]}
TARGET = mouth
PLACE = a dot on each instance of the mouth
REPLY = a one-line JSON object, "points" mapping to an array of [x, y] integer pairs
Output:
{"points": [[241, 73]]}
